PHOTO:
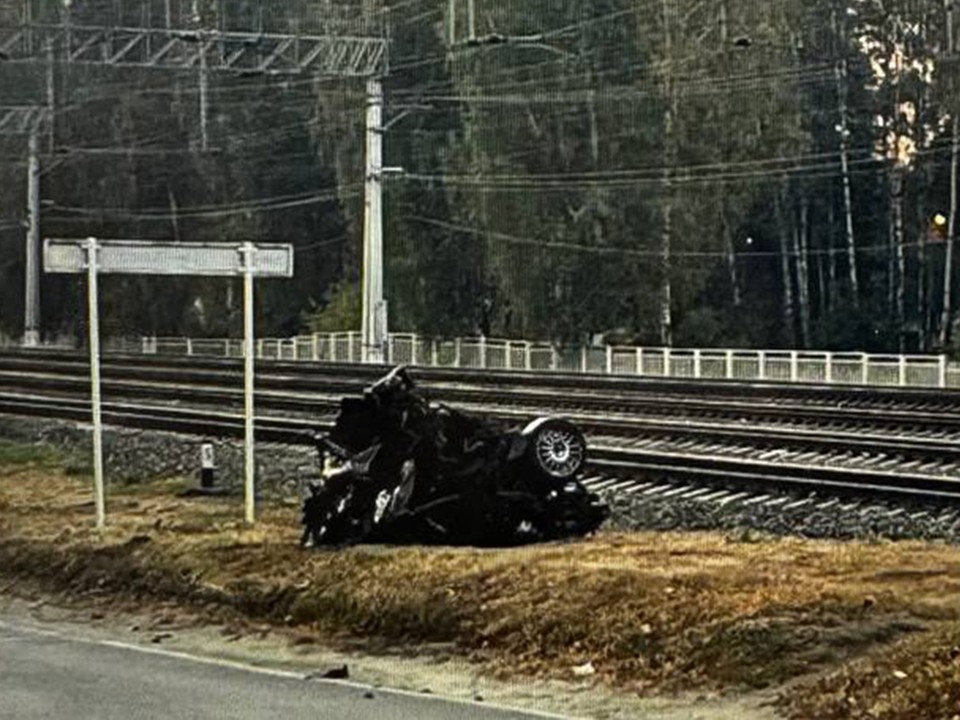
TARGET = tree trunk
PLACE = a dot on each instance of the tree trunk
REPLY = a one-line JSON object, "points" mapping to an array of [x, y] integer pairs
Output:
{"points": [[831, 291], [901, 270], [945, 318], [730, 251], [803, 272], [821, 284], [666, 289], [787, 304], [922, 313], [841, 78]]}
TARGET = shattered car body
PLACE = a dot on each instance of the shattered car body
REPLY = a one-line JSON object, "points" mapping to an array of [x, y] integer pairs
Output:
{"points": [[412, 471]]}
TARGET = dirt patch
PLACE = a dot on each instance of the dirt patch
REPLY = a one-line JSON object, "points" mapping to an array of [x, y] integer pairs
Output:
{"points": [[649, 613]]}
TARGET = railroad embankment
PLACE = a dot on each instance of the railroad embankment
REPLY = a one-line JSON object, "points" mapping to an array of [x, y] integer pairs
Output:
{"points": [[134, 455], [824, 629]]}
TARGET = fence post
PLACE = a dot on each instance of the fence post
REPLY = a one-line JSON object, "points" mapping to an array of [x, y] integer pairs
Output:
{"points": [[829, 368], [864, 369], [315, 347], [942, 371], [609, 360], [528, 356], [902, 371], [457, 353], [483, 351], [413, 350], [639, 361], [697, 364], [794, 366], [728, 362], [189, 346], [667, 362], [434, 360], [583, 358], [553, 357], [762, 364], [349, 347]]}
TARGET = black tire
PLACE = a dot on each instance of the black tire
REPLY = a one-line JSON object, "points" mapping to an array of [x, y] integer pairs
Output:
{"points": [[556, 448]]}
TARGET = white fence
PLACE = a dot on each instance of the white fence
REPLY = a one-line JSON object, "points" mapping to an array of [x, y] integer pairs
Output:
{"points": [[801, 366]]}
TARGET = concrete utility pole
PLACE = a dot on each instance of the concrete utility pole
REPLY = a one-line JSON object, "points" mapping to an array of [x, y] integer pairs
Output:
{"points": [[28, 120], [374, 323], [31, 300], [471, 20], [51, 99], [948, 6], [204, 79], [452, 20]]}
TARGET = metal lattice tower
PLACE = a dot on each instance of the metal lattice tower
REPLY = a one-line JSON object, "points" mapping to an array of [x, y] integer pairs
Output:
{"points": [[184, 49]]}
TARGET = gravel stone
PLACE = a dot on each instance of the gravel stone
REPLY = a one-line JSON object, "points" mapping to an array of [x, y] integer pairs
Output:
{"points": [[132, 456], [784, 513]]}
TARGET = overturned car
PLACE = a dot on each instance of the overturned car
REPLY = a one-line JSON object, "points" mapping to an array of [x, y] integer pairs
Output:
{"points": [[409, 471]]}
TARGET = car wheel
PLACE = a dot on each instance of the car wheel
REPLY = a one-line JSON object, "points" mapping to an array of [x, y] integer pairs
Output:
{"points": [[556, 447]]}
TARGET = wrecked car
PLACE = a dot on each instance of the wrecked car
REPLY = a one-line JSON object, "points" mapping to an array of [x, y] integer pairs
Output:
{"points": [[409, 471]]}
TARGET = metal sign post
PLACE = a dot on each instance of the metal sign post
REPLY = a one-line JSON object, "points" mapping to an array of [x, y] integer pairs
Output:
{"points": [[94, 322], [167, 258], [249, 256]]}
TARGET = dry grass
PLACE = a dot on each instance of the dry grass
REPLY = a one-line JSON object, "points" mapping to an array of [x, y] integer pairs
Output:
{"points": [[917, 678], [651, 612]]}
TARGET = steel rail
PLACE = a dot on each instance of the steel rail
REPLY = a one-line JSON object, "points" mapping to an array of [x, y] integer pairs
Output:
{"points": [[326, 403], [507, 379], [638, 396], [628, 461], [315, 398]]}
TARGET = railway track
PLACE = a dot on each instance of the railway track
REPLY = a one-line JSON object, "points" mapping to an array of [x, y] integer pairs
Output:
{"points": [[624, 462], [900, 443]]}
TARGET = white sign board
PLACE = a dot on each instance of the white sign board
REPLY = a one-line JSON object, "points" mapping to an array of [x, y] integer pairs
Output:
{"points": [[143, 257], [146, 257]]}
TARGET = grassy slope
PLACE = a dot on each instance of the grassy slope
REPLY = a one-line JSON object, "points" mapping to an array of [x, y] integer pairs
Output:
{"points": [[652, 612]]}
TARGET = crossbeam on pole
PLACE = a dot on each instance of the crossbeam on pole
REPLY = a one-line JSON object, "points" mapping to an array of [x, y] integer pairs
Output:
{"points": [[22, 119], [170, 48]]}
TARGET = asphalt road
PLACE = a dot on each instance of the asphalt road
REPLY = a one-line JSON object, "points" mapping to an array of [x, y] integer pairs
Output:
{"points": [[50, 675]]}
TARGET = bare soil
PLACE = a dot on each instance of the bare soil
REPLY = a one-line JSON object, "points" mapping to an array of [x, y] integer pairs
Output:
{"points": [[749, 626]]}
